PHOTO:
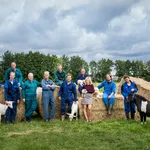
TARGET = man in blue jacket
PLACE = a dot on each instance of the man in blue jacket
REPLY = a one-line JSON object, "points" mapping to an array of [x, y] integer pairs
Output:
{"points": [[18, 73], [48, 87], [67, 95], [127, 88], [109, 93], [82, 76], [11, 93]]}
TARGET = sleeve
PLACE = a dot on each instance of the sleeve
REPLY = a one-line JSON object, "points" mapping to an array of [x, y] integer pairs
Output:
{"points": [[77, 80], [6, 91], [21, 76], [74, 92], [23, 90], [56, 77], [101, 85], [53, 86], [135, 88], [114, 88], [64, 76], [6, 78], [44, 87], [93, 90], [122, 92], [60, 90], [18, 93], [38, 84]]}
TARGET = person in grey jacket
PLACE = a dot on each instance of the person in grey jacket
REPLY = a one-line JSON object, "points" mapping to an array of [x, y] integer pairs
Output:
{"points": [[48, 87]]}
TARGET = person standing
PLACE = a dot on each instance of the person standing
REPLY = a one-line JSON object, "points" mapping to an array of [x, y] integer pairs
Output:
{"points": [[109, 93], [127, 88], [67, 95], [48, 87], [18, 73], [29, 96], [80, 78], [11, 93], [59, 75], [88, 90]]}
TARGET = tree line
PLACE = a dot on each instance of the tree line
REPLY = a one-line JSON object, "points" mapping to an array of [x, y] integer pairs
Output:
{"points": [[37, 63]]}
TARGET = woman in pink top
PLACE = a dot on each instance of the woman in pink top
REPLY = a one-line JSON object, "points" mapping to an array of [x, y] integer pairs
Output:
{"points": [[88, 90]]}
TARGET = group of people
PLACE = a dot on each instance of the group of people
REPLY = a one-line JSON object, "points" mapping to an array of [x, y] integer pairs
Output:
{"points": [[67, 93]]}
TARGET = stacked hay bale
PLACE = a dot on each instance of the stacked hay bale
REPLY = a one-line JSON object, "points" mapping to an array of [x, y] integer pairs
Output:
{"points": [[20, 107], [142, 85], [40, 102]]}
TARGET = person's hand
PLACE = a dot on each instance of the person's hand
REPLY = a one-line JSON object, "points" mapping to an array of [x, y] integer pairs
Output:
{"points": [[109, 97], [59, 98], [24, 100], [19, 84], [132, 90], [6, 102], [18, 101], [75, 102]]}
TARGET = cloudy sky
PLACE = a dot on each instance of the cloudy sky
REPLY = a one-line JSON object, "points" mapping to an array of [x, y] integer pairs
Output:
{"points": [[93, 29]]}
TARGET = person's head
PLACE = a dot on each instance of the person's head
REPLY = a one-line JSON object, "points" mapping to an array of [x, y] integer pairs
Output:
{"points": [[12, 76], [126, 78], [83, 71], [30, 76], [59, 67], [46, 75], [13, 65], [108, 77], [88, 81], [69, 77]]}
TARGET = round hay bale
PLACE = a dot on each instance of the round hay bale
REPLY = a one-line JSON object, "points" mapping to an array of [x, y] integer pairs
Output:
{"points": [[40, 102], [20, 106]]}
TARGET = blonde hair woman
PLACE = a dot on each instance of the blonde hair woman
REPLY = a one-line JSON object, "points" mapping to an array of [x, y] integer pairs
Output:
{"points": [[88, 90]]}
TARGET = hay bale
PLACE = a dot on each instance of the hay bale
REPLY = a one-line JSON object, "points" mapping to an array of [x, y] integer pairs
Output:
{"points": [[142, 85], [99, 112], [40, 102], [20, 106]]}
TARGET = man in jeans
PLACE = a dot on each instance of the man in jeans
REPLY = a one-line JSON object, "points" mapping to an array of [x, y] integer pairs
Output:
{"points": [[48, 87]]}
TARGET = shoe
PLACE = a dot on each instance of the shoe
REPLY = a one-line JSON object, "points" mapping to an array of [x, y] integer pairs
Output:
{"points": [[110, 109], [127, 116], [23, 119], [132, 116], [62, 117]]}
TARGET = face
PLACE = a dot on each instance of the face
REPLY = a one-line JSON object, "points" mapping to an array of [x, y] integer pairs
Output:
{"points": [[12, 76], [59, 68], [13, 66], [87, 81], [83, 71], [127, 80], [46, 75], [30, 77], [108, 78], [69, 78]]}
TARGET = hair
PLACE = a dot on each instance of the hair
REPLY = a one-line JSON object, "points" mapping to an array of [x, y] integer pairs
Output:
{"points": [[12, 73], [13, 63], [125, 76], [46, 72], [30, 73], [59, 65], [88, 78], [69, 74]]}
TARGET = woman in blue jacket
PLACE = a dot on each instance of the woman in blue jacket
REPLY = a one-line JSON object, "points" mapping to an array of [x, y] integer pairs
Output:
{"points": [[127, 88], [109, 93]]}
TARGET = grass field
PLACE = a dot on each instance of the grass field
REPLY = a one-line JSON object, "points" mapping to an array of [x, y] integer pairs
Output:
{"points": [[79, 135]]}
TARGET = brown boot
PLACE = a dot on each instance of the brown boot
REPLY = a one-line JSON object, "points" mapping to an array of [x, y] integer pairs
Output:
{"points": [[62, 117]]}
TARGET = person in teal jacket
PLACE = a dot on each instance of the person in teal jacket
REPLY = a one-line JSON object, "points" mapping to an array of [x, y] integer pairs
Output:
{"points": [[29, 96], [18, 73], [59, 75]]}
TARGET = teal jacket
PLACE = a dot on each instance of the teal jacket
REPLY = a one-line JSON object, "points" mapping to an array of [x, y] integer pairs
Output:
{"points": [[18, 75], [29, 88], [60, 76]]}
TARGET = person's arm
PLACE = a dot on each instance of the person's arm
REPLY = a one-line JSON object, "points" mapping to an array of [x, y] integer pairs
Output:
{"points": [[18, 93], [53, 86], [23, 90], [56, 77], [101, 85], [74, 92], [135, 89], [44, 86], [20, 76], [92, 90], [6, 77], [64, 76], [76, 81], [122, 92], [38, 84], [6, 91], [60, 91], [113, 90]]}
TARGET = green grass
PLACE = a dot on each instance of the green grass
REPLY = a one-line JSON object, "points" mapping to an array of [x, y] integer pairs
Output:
{"points": [[79, 135]]}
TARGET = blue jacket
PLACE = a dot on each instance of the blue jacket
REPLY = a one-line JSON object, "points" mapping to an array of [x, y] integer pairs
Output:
{"points": [[68, 91], [126, 90], [12, 91], [48, 82], [81, 77], [18, 75], [109, 87]]}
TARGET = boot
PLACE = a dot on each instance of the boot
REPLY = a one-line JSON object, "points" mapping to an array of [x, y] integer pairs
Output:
{"points": [[62, 117], [106, 105], [110, 109], [132, 116], [127, 116]]}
